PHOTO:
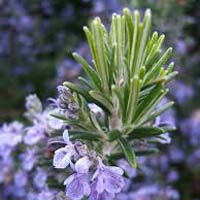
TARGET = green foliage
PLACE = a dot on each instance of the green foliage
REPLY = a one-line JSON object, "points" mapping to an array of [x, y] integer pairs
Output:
{"points": [[127, 80]]}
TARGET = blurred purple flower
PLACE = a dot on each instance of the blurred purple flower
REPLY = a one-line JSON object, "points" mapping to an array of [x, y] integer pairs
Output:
{"points": [[34, 134], [28, 159], [107, 181], [11, 134], [21, 178], [40, 178], [181, 91], [77, 186], [190, 128]]}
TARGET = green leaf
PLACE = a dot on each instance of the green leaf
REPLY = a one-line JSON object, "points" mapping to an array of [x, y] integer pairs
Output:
{"points": [[129, 23], [101, 61], [143, 42], [68, 121], [58, 116], [171, 76], [89, 70], [149, 46], [128, 152], [91, 43], [95, 121], [148, 104], [133, 98], [84, 136], [146, 152], [155, 49], [160, 111], [135, 38], [85, 82], [99, 97], [147, 131], [119, 95], [77, 89], [113, 135], [151, 74], [170, 68]]}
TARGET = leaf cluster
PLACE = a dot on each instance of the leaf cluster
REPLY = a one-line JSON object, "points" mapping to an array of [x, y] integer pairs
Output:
{"points": [[127, 79]]}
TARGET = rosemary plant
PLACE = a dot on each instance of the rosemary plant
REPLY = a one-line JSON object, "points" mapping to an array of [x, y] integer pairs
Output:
{"points": [[116, 109]]}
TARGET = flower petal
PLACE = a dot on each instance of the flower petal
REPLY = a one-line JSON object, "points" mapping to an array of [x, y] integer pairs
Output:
{"points": [[66, 137], [75, 189], [69, 180], [100, 184], [116, 170], [87, 189], [61, 158], [113, 183], [83, 165]]}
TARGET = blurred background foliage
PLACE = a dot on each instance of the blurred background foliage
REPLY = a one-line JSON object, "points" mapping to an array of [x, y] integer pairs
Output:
{"points": [[36, 41]]}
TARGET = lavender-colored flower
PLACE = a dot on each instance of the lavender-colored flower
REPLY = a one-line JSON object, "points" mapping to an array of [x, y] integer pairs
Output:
{"points": [[151, 192], [190, 128], [77, 186], [107, 181], [5, 164], [28, 159], [127, 168], [11, 134], [83, 165], [64, 97], [46, 195], [33, 106], [31, 196], [53, 122], [173, 176], [176, 154], [34, 134], [40, 178], [21, 178], [182, 92], [62, 157], [66, 103], [61, 196]]}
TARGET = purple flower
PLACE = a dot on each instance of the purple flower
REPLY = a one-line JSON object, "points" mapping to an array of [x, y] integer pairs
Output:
{"points": [[21, 179], [33, 106], [53, 123], [34, 134], [28, 159], [62, 157], [107, 181], [11, 134], [181, 91], [77, 186], [46, 195], [40, 178], [190, 128], [127, 168], [31, 196], [95, 195]]}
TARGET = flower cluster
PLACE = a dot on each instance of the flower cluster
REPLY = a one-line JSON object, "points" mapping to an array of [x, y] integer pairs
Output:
{"points": [[90, 178], [43, 122], [21, 148]]}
